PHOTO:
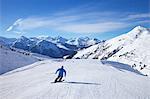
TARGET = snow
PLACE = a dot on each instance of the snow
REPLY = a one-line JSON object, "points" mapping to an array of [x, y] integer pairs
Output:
{"points": [[10, 60], [89, 52], [120, 76], [56, 47], [63, 47], [131, 48], [6, 41], [142, 54], [136, 49], [48, 48], [86, 79], [83, 42]]}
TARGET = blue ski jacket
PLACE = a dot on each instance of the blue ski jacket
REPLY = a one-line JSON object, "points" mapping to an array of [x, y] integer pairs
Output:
{"points": [[61, 72]]}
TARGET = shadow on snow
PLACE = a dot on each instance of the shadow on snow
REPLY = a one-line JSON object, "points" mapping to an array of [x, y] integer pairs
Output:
{"points": [[86, 83], [122, 67]]}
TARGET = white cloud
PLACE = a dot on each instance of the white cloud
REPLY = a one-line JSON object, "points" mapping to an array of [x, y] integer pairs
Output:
{"points": [[94, 27], [78, 22], [143, 15], [14, 26], [144, 21], [66, 24], [137, 16], [10, 28]]}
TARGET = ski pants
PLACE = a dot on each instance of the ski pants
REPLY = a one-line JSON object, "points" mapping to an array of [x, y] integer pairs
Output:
{"points": [[59, 78]]}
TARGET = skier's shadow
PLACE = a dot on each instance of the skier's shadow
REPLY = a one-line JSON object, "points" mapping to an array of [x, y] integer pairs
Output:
{"points": [[87, 83]]}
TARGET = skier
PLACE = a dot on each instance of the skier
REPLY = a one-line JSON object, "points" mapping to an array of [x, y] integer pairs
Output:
{"points": [[60, 74]]}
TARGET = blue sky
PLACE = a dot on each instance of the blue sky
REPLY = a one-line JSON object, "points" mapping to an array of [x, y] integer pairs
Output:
{"points": [[101, 19]]}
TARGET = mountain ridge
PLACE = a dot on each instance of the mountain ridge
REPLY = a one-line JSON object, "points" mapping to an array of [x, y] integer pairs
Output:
{"points": [[131, 48], [62, 45]]}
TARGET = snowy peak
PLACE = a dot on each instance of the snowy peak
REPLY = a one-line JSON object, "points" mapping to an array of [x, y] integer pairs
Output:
{"points": [[23, 43], [138, 31], [48, 38], [131, 48], [6, 41], [23, 38], [138, 28], [46, 48], [57, 47], [60, 39], [83, 42]]}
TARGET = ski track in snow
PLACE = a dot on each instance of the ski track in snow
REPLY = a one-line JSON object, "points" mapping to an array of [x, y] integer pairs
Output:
{"points": [[86, 79]]}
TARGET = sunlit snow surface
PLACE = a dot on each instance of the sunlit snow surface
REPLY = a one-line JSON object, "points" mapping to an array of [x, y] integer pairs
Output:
{"points": [[86, 79], [132, 48]]}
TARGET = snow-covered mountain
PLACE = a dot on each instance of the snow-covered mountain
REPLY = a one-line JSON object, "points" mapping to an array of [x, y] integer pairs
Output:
{"points": [[58, 39], [44, 46], [57, 47], [85, 79], [131, 48], [24, 43], [6, 41], [11, 59], [83, 42]]}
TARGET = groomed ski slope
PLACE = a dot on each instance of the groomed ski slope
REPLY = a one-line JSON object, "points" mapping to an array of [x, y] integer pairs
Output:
{"points": [[86, 79]]}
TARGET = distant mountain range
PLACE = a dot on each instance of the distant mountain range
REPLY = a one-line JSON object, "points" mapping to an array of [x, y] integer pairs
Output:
{"points": [[57, 47]]}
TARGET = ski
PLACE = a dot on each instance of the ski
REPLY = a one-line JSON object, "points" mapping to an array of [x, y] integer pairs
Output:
{"points": [[58, 81]]}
